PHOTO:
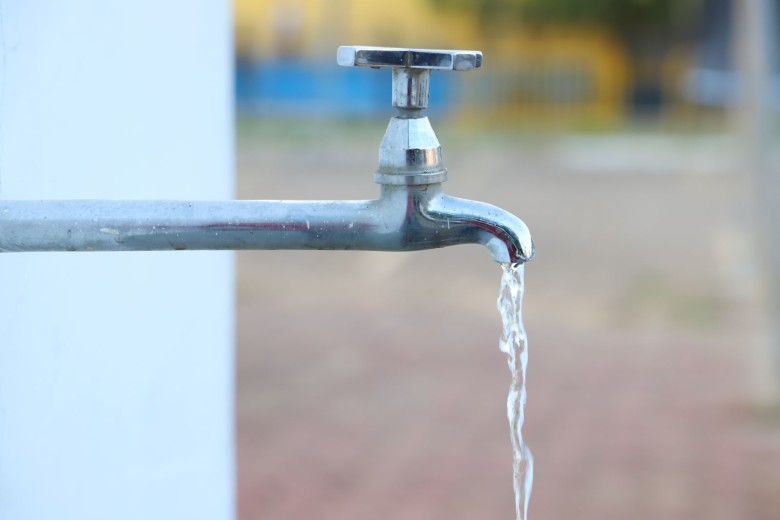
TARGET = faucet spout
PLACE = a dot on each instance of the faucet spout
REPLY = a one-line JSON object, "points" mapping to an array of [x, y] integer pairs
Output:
{"points": [[506, 237], [427, 219]]}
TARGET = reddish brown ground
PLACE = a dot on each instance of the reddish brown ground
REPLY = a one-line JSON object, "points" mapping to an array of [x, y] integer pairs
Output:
{"points": [[370, 386]]}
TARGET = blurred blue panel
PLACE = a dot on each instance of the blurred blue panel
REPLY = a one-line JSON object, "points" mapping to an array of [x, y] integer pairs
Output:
{"points": [[296, 87]]}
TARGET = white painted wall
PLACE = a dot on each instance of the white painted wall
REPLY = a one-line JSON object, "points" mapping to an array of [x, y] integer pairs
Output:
{"points": [[116, 369]]}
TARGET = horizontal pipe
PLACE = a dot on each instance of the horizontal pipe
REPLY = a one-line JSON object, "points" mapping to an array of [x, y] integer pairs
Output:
{"points": [[404, 218], [92, 225]]}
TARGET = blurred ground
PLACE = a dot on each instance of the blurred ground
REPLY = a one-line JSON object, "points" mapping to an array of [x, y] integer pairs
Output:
{"points": [[370, 385]]}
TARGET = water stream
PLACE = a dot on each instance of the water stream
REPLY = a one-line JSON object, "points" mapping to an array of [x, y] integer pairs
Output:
{"points": [[515, 344]]}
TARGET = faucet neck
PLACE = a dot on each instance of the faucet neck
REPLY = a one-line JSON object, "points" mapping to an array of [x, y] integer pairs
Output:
{"points": [[420, 192], [411, 87]]}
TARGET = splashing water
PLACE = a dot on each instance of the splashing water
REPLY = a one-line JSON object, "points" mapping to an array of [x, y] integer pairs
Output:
{"points": [[515, 344]]}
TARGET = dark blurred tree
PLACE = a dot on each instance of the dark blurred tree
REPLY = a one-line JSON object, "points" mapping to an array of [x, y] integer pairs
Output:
{"points": [[646, 29], [621, 17]]}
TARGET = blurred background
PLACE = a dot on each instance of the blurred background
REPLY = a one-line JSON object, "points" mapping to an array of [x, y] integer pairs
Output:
{"points": [[639, 141]]}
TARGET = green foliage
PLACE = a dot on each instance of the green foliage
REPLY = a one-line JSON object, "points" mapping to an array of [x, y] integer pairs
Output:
{"points": [[619, 16]]}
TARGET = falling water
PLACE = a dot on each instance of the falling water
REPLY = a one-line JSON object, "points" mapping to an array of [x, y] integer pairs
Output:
{"points": [[515, 344]]}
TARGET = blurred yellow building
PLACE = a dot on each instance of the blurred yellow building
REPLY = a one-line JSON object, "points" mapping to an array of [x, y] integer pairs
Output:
{"points": [[572, 75], [314, 28]]}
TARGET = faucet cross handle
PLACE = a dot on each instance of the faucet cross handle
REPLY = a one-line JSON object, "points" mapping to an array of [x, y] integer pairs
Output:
{"points": [[411, 68]]}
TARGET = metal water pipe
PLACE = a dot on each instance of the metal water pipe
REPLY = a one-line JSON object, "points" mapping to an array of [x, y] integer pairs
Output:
{"points": [[412, 212]]}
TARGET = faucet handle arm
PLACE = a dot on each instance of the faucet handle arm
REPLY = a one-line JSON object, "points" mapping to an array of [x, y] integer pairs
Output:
{"points": [[411, 68], [376, 57]]}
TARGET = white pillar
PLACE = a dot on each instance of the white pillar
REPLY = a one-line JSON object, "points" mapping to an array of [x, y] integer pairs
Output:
{"points": [[116, 369], [754, 22]]}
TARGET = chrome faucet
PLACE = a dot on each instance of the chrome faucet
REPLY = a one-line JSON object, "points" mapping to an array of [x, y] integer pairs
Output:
{"points": [[412, 212]]}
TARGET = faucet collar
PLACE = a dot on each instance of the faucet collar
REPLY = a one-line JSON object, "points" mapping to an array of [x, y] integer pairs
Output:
{"points": [[410, 153]]}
